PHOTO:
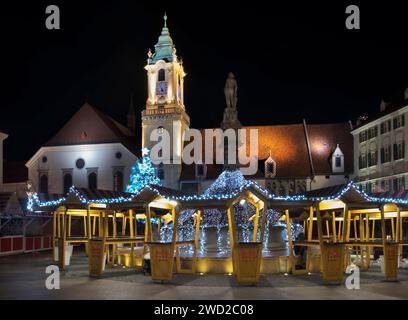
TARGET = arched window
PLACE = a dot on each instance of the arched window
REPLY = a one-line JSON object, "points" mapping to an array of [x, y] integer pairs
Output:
{"points": [[162, 75], [44, 184], [67, 182], [92, 181], [118, 181]]}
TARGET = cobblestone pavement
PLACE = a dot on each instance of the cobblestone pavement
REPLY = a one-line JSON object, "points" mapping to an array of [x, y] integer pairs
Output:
{"points": [[23, 277]]}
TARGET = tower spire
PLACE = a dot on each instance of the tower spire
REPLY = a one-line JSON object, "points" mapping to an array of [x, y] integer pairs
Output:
{"points": [[164, 48], [131, 116]]}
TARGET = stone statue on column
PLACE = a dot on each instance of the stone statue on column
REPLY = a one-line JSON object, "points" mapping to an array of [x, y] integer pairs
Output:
{"points": [[230, 119], [230, 91]]}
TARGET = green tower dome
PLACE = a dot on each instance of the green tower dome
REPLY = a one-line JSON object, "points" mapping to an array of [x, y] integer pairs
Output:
{"points": [[164, 47]]}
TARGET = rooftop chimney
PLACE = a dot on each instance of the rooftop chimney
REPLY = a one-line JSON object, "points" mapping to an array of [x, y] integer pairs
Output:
{"points": [[383, 106]]}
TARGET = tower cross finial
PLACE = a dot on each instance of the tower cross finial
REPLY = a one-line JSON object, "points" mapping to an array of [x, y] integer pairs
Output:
{"points": [[165, 19]]}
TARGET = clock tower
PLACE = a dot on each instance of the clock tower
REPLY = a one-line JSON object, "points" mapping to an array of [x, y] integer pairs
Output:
{"points": [[165, 109]]}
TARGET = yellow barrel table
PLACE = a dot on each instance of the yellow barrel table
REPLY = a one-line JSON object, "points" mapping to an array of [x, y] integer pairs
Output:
{"points": [[247, 261], [333, 262], [96, 257], [391, 261], [161, 260]]}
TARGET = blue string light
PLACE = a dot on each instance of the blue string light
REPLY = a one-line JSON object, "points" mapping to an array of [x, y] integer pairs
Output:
{"points": [[221, 189]]}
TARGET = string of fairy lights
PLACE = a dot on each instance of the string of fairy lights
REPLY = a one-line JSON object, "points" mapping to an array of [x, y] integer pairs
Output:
{"points": [[34, 200], [229, 185]]}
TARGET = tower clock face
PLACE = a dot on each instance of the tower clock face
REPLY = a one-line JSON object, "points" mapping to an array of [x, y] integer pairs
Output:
{"points": [[161, 88]]}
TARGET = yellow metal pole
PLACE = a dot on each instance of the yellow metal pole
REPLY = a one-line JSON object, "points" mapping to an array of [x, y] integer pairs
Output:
{"points": [[367, 227], [231, 229], [131, 223], [319, 225], [132, 249], [383, 233], [100, 232], [392, 228], [59, 223], [54, 231], [340, 229], [196, 239], [88, 214], [310, 227], [148, 224], [197, 230], [85, 228], [290, 240], [54, 227], [346, 224], [64, 238], [124, 222], [69, 224], [373, 231], [159, 226], [175, 214], [327, 229], [94, 226], [334, 226], [256, 223], [263, 220], [397, 238]]}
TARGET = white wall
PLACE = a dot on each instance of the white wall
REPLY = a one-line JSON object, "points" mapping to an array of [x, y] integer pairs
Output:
{"points": [[100, 156]]}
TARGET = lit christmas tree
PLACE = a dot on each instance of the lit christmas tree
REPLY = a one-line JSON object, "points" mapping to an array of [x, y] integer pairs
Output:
{"points": [[143, 174]]}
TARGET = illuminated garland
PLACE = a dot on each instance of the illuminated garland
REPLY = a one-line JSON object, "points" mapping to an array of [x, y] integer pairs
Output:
{"points": [[229, 185]]}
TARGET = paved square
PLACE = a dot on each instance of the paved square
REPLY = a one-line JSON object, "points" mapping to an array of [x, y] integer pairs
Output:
{"points": [[23, 277]]}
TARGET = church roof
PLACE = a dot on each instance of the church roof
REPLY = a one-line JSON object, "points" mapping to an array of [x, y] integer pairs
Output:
{"points": [[288, 145], [91, 126]]}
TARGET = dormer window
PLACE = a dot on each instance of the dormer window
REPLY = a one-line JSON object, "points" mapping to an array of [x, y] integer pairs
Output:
{"points": [[270, 167], [337, 161]]}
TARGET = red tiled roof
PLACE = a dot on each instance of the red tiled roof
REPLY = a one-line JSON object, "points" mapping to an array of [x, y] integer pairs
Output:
{"points": [[14, 172], [91, 126], [288, 146], [323, 140]]}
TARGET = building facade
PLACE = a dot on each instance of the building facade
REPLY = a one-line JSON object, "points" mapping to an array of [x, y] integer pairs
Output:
{"points": [[380, 160], [92, 151]]}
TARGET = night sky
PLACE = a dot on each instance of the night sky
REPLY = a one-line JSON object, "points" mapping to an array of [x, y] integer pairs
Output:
{"points": [[291, 62]]}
